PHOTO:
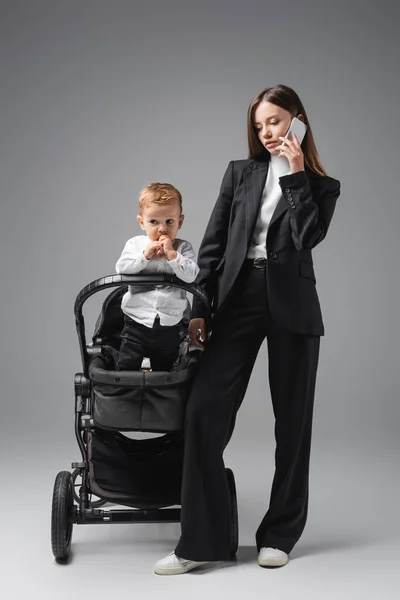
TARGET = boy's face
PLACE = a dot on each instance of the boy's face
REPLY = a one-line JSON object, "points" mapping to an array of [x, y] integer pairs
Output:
{"points": [[157, 220]]}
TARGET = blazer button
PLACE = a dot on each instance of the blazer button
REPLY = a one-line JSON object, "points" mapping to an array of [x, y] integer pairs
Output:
{"points": [[273, 255], [288, 191]]}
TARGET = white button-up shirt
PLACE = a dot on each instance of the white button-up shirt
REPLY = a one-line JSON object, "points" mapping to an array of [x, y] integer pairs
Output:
{"points": [[272, 193], [143, 304]]}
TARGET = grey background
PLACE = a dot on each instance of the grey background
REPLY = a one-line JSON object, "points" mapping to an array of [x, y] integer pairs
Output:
{"points": [[98, 98]]}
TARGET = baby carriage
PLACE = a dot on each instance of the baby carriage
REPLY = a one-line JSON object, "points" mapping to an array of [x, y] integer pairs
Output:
{"points": [[143, 474]]}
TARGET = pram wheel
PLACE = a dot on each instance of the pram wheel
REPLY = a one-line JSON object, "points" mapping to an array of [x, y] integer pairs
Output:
{"points": [[234, 511], [94, 503], [62, 515]]}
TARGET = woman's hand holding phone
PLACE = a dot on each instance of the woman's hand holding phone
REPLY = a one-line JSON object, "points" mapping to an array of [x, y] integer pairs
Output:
{"points": [[291, 147], [293, 152]]}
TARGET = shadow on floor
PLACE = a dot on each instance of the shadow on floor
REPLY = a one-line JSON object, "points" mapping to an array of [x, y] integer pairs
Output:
{"points": [[330, 545]]}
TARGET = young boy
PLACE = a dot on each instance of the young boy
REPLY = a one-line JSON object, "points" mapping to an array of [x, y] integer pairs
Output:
{"points": [[152, 315]]}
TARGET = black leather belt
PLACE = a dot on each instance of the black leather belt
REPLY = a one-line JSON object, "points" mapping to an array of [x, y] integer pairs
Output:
{"points": [[258, 263]]}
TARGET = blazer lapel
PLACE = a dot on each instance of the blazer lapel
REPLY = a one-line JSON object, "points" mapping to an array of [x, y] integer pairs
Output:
{"points": [[254, 178]]}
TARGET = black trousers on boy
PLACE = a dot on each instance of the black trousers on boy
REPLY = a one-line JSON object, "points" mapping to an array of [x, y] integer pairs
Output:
{"points": [[160, 343], [217, 393]]}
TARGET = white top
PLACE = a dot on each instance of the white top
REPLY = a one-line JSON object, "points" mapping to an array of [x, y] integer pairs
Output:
{"points": [[142, 304], [278, 166]]}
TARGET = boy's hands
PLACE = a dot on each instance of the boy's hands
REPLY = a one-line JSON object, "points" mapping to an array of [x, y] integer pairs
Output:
{"points": [[165, 242], [153, 249], [166, 245], [162, 246]]}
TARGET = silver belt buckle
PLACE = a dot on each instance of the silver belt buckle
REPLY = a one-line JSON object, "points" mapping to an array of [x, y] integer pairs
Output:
{"points": [[260, 263]]}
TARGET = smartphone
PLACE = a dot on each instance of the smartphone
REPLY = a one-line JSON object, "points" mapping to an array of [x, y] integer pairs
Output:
{"points": [[299, 129]]}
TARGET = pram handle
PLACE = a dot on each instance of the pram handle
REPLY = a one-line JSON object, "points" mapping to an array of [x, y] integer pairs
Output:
{"points": [[125, 280]]}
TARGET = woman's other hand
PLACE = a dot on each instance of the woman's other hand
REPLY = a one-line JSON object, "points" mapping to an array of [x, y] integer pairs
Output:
{"points": [[293, 152], [197, 329]]}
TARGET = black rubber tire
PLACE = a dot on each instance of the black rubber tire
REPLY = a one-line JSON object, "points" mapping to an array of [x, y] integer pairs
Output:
{"points": [[234, 512], [62, 516]]}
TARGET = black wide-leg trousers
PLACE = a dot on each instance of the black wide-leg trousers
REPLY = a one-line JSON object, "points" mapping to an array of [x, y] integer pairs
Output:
{"points": [[216, 395]]}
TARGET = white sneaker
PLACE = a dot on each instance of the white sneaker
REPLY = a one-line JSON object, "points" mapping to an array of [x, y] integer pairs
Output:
{"points": [[173, 565], [272, 557]]}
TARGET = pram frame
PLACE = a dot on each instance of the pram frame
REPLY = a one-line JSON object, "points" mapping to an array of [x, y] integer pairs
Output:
{"points": [[83, 392], [87, 511]]}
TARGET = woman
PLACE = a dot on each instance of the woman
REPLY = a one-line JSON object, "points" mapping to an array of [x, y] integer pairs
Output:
{"points": [[256, 265]]}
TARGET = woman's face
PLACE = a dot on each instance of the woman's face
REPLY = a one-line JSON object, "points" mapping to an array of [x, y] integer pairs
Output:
{"points": [[271, 121]]}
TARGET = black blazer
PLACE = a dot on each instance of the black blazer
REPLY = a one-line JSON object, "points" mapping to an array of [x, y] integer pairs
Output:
{"points": [[300, 221]]}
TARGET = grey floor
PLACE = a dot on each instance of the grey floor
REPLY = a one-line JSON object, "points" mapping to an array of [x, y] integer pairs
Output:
{"points": [[349, 550]]}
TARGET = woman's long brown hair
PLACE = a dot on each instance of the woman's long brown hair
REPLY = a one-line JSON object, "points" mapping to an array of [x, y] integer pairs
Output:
{"points": [[286, 98]]}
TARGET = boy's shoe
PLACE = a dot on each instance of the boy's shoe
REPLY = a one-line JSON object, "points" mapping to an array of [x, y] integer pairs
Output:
{"points": [[272, 557], [173, 565]]}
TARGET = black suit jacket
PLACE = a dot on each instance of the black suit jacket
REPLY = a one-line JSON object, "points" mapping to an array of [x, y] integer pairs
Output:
{"points": [[300, 221]]}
